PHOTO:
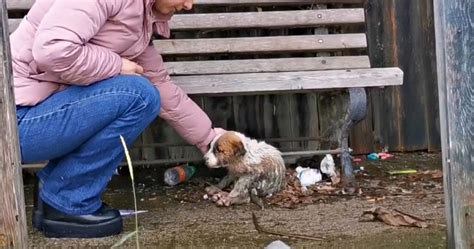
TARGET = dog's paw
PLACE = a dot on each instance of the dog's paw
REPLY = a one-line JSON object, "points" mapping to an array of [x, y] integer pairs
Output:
{"points": [[224, 201], [218, 196], [227, 199], [212, 190]]}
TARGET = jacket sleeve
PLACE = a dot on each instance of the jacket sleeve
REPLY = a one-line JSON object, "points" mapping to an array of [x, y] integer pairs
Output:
{"points": [[181, 112], [61, 43]]}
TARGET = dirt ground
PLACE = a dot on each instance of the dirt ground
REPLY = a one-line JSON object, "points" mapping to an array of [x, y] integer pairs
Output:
{"points": [[178, 217]]}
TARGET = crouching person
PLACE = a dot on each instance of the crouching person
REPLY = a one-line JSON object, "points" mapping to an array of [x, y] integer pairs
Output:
{"points": [[84, 74]]}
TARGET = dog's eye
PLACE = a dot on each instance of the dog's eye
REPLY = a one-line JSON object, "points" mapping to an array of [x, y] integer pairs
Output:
{"points": [[217, 149]]}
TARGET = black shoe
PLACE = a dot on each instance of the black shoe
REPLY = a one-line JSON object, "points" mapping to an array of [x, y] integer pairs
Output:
{"points": [[104, 222], [38, 206]]}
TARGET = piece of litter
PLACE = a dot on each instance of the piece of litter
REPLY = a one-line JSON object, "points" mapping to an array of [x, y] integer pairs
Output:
{"points": [[402, 172], [357, 160], [277, 244], [373, 156], [308, 176], [384, 155], [328, 166], [205, 197], [126, 212]]}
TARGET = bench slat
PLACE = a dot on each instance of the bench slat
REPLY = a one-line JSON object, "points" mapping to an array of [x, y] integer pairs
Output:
{"points": [[13, 24], [272, 2], [262, 44], [26, 4], [301, 18], [260, 83], [266, 65]]}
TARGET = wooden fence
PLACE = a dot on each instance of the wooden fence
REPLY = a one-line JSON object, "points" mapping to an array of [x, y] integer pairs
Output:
{"points": [[400, 33]]}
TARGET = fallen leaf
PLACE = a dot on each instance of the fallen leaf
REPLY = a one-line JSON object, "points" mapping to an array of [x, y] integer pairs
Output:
{"points": [[336, 179], [393, 218]]}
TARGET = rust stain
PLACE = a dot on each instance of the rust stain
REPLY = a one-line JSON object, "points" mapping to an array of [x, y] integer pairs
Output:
{"points": [[393, 29], [397, 96]]}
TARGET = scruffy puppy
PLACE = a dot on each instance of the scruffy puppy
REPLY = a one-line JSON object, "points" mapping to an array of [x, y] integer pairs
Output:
{"points": [[256, 167]]}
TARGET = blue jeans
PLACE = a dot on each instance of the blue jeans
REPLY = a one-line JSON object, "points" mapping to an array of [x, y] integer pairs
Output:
{"points": [[78, 130]]}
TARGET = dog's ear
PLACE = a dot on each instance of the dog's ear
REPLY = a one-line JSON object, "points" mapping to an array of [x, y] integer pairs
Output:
{"points": [[240, 149]]}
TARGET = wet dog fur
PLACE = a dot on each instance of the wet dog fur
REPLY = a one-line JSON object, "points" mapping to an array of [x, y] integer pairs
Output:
{"points": [[256, 167]]}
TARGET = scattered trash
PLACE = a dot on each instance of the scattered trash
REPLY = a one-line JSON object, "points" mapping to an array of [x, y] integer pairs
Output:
{"points": [[361, 169], [376, 156], [402, 172], [385, 155], [277, 244], [357, 160], [308, 176], [328, 167], [126, 212], [393, 217], [373, 156], [178, 174]]}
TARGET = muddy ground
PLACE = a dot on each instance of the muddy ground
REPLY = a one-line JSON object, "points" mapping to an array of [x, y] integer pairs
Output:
{"points": [[178, 217]]}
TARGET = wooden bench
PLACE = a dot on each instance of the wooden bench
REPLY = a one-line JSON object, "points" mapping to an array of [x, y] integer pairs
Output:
{"points": [[278, 55]]}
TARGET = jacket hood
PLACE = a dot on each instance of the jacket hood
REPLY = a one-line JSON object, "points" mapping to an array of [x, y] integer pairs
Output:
{"points": [[160, 21]]}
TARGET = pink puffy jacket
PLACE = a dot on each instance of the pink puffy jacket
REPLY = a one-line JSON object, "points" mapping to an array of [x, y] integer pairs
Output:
{"points": [[64, 42]]}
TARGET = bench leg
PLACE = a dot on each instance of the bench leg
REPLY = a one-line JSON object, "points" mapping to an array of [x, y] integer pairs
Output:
{"points": [[356, 111]]}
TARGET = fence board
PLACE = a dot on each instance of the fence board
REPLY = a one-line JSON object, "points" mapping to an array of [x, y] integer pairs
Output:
{"points": [[405, 117], [456, 93], [13, 227]]}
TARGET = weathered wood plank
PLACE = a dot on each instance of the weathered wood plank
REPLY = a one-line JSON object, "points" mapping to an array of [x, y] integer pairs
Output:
{"points": [[269, 19], [267, 65], [26, 4], [327, 120], [19, 4], [408, 43], [13, 232], [270, 2], [299, 18], [13, 24], [261, 44], [453, 29], [289, 81]]}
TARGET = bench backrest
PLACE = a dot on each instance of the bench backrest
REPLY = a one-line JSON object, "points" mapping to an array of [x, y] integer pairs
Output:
{"points": [[217, 42]]}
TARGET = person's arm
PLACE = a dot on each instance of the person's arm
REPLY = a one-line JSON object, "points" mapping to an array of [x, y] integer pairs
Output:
{"points": [[181, 112], [61, 43]]}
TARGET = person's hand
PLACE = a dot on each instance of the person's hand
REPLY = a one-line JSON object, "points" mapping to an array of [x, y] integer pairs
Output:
{"points": [[217, 131], [131, 68]]}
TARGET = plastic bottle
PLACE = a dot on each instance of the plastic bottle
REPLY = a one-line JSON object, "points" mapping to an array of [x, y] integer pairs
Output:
{"points": [[373, 156], [178, 174], [308, 176]]}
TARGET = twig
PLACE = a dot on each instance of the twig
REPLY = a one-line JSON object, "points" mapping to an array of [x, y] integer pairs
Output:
{"points": [[412, 194], [337, 194], [410, 215], [299, 236]]}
